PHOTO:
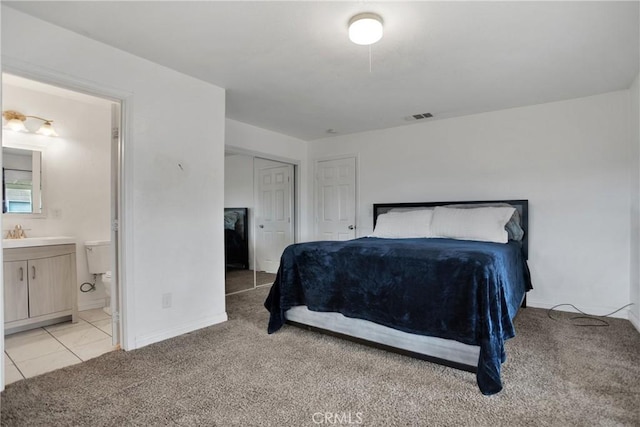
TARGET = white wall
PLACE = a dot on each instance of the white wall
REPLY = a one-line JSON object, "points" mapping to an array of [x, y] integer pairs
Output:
{"points": [[570, 159], [76, 172], [174, 169], [634, 94], [245, 138]]}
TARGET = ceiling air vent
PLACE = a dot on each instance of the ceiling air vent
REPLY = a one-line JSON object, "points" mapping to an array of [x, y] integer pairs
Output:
{"points": [[422, 116]]}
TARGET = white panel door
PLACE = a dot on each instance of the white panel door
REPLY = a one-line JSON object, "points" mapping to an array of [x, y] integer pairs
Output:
{"points": [[274, 216], [336, 199]]}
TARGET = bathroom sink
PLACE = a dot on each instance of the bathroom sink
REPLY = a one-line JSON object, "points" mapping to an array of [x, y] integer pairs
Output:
{"points": [[37, 241]]}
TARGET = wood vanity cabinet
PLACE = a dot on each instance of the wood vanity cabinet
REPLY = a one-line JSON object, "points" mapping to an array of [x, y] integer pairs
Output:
{"points": [[39, 286]]}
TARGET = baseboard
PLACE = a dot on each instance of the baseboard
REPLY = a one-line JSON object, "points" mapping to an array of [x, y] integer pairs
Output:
{"points": [[594, 311], [145, 340], [90, 305], [635, 321]]}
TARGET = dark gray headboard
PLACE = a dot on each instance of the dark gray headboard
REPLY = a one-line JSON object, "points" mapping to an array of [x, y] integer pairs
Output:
{"points": [[521, 205]]}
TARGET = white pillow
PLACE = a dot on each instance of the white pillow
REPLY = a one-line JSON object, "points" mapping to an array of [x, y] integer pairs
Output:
{"points": [[483, 224], [403, 225]]}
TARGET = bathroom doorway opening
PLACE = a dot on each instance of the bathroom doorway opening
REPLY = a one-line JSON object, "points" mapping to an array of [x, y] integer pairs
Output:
{"points": [[81, 198]]}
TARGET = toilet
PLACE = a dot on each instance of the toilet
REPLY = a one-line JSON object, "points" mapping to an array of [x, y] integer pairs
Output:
{"points": [[99, 260]]}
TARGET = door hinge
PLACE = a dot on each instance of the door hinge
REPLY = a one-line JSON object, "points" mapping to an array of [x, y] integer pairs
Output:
{"points": [[115, 316], [115, 133], [114, 225]]}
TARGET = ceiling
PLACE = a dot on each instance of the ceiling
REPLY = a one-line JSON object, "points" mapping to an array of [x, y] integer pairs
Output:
{"points": [[290, 67]]}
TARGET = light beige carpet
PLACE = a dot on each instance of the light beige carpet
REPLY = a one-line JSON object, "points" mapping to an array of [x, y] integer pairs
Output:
{"points": [[234, 374]]}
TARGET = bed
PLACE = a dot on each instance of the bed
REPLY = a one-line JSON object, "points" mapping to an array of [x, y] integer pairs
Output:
{"points": [[236, 238], [424, 291]]}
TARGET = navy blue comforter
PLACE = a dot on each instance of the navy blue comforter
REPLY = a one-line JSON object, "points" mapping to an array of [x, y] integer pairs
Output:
{"points": [[455, 289]]}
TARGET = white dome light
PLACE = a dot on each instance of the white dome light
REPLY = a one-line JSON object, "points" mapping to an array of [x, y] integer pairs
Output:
{"points": [[16, 125], [47, 129], [365, 28]]}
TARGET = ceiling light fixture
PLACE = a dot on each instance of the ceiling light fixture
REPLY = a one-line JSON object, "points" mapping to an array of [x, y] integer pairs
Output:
{"points": [[365, 28], [15, 122]]}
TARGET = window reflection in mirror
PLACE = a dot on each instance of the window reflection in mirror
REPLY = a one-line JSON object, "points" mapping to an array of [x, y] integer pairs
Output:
{"points": [[21, 182]]}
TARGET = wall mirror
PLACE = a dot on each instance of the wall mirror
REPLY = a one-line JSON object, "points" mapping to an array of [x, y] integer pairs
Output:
{"points": [[21, 181]]}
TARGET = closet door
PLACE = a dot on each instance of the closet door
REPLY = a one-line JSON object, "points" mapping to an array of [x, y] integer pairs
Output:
{"points": [[274, 213], [239, 233], [267, 189]]}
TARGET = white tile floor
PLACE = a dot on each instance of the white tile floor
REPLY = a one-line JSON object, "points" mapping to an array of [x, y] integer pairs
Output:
{"points": [[41, 350]]}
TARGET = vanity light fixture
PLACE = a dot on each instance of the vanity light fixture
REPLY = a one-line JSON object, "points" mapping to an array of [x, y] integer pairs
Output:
{"points": [[365, 28], [15, 122]]}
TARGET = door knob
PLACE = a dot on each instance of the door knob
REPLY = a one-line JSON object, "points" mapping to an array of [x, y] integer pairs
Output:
{"points": [[261, 226], [351, 227]]}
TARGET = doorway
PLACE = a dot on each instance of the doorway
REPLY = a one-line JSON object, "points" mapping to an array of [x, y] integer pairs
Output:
{"points": [[80, 193], [335, 207], [265, 189]]}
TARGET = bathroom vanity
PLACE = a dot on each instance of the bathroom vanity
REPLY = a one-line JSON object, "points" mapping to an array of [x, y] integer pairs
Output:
{"points": [[39, 282]]}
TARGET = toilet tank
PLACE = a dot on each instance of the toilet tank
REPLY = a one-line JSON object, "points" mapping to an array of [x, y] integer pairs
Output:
{"points": [[98, 256]]}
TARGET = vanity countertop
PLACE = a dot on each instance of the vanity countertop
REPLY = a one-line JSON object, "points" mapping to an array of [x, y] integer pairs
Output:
{"points": [[37, 241]]}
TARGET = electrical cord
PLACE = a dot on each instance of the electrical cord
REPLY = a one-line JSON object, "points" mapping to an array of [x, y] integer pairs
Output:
{"points": [[586, 316]]}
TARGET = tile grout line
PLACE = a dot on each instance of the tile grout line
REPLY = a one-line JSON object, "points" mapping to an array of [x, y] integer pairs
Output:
{"points": [[15, 364], [97, 327], [71, 351], [62, 344], [109, 318]]}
